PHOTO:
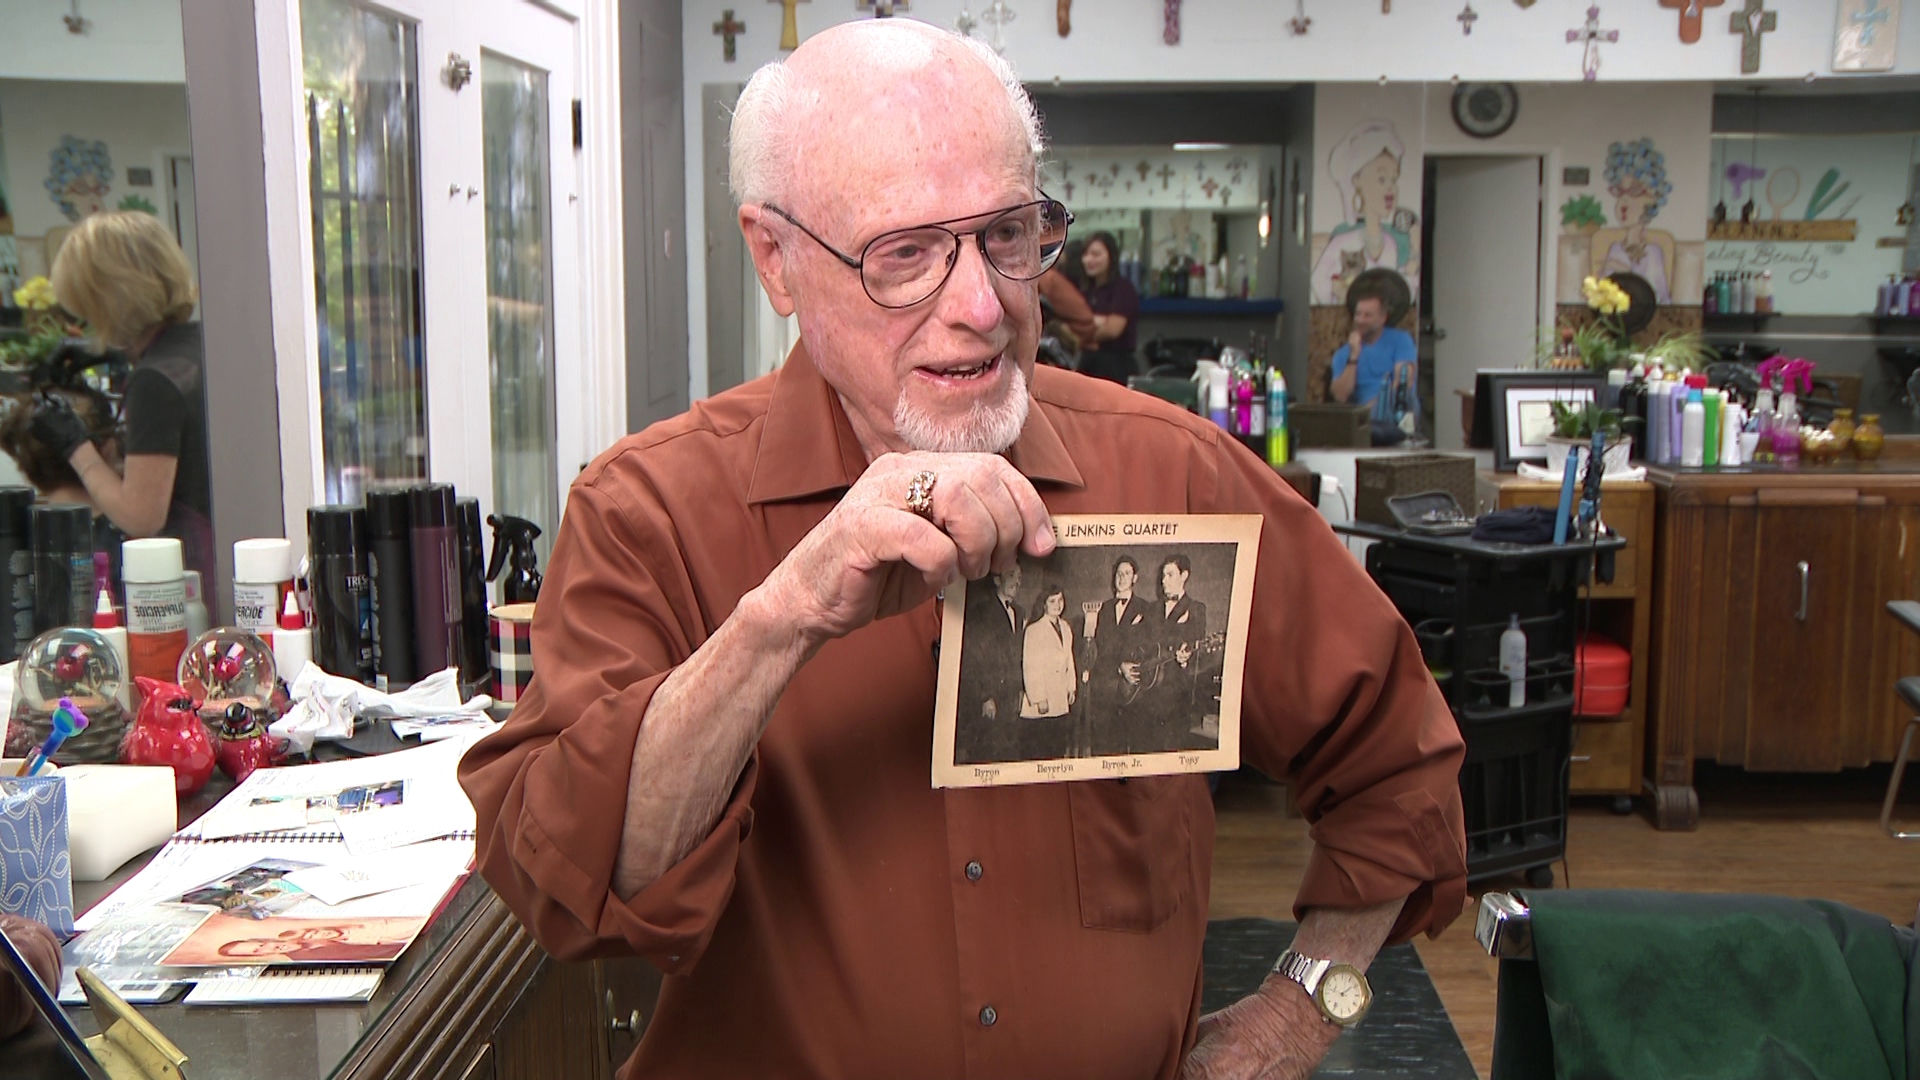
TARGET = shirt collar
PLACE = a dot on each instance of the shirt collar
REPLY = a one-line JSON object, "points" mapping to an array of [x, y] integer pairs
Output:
{"points": [[808, 446]]}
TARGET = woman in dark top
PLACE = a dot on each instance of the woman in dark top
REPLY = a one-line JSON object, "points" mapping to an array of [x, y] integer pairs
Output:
{"points": [[1116, 311], [125, 275]]}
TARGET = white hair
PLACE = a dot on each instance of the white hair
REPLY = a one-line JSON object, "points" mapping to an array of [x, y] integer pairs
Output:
{"points": [[760, 145], [986, 429]]}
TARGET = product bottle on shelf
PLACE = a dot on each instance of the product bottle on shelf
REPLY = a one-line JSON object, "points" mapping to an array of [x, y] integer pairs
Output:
{"points": [[1710, 297], [1693, 430], [1278, 452], [1763, 294], [1513, 662]]}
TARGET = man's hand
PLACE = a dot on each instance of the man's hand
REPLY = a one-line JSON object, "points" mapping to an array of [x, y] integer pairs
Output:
{"points": [[872, 557], [1183, 653], [1131, 673], [1354, 344], [1277, 1033], [989, 710]]}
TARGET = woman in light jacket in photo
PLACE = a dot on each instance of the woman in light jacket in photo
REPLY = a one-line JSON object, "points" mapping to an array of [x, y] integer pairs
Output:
{"points": [[1050, 678]]}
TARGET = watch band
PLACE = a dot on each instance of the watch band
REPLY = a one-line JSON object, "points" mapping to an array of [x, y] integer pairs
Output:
{"points": [[1304, 970]]}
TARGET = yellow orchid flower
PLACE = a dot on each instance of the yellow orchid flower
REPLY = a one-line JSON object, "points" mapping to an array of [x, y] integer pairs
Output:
{"points": [[35, 295]]}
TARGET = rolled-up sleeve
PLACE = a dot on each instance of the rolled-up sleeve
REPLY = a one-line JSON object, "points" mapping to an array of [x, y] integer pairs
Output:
{"points": [[549, 789], [1338, 699]]}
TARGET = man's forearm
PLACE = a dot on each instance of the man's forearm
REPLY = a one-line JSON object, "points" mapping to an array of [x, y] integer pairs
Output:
{"points": [[699, 730], [1343, 383]]}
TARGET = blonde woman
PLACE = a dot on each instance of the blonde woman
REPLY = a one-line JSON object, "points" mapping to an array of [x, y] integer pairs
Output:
{"points": [[125, 275]]}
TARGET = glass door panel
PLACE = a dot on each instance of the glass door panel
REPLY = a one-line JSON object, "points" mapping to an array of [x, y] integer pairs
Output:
{"points": [[514, 109], [363, 135]]}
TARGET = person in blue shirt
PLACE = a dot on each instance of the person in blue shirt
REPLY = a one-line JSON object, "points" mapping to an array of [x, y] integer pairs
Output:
{"points": [[1385, 373]]}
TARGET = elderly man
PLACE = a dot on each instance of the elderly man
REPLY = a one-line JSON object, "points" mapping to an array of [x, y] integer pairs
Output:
{"points": [[723, 764]]}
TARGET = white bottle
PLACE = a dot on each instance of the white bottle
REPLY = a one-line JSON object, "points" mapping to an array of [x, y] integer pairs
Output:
{"points": [[107, 621], [262, 574], [1513, 662], [198, 621], [292, 642], [1733, 425], [1693, 432]]}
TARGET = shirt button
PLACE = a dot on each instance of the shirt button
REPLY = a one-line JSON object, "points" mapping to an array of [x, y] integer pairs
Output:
{"points": [[988, 1016], [974, 870]]}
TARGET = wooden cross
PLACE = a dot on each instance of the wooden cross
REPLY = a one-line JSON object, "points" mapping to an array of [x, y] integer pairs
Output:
{"points": [[1166, 175], [1386, 7], [1170, 31], [1143, 168], [1591, 36], [1690, 13], [728, 29], [1750, 22], [1063, 16], [884, 9], [1467, 18], [1299, 24], [789, 26]]}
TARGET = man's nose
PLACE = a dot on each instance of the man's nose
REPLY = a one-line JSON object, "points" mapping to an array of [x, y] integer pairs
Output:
{"points": [[969, 296]]}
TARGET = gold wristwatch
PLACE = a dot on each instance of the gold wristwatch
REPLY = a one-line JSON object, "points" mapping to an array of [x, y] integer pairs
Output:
{"points": [[1339, 990]]}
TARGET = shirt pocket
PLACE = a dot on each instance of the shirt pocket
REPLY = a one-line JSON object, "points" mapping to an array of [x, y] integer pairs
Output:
{"points": [[1132, 850]]}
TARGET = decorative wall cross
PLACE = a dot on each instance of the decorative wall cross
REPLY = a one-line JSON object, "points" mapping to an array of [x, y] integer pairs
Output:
{"points": [[1870, 19], [789, 26], [965, 22], [728, 29], [1166, 175], [1690, 16], [1467, 18], [1063, 16], [1170, 29], [1299, 24], [884, 9], [1591, 36], [998, 15], [1750, 22]]}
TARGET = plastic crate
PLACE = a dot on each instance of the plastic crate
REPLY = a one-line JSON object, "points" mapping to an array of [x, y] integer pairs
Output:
{"points": [[1377, 479], [1329, 425], [1513, 789]]}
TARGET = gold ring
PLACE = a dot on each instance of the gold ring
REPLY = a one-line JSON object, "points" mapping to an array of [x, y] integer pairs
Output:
{"points": [[920, 494]]}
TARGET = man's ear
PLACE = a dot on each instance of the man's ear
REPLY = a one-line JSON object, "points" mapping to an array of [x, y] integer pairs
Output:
{"points": [[769, 259]]}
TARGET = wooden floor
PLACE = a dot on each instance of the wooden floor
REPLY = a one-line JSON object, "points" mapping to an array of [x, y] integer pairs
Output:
{"points": [[1806, 836]]}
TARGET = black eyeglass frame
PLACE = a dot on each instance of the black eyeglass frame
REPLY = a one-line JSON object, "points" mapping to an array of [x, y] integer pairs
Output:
{"points": [[1047, 260]]}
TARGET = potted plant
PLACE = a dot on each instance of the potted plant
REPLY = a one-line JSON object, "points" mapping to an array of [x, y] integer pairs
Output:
{"points": [[1583, 214], [1574, 424]]}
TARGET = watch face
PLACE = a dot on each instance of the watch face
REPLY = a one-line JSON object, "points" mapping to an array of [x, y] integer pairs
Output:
{"points": [[1344, 994], [1484, 110]]}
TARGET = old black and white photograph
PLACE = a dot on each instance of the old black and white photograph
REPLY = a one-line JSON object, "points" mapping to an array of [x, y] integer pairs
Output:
{"points": [[1119, 655]]}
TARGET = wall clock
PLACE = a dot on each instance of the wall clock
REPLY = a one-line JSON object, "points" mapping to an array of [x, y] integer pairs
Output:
{"points": [[1485, 110]]}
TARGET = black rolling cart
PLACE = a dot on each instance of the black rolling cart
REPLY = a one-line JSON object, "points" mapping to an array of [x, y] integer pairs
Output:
{"points": [[1459, 596]]}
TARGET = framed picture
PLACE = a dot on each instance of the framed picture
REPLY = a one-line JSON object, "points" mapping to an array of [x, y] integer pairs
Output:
{"points": [[1521, 404]]}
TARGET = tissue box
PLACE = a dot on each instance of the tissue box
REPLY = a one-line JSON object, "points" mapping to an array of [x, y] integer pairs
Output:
{"points": [[36, 878]]}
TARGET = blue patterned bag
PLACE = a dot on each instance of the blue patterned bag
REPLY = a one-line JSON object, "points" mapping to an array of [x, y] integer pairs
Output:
{"points": [[36, 878]]}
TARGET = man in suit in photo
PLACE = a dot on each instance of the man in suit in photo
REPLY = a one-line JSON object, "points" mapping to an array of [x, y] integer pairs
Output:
{"points": [[1177, 700], [988, 717], [1121, 636]]}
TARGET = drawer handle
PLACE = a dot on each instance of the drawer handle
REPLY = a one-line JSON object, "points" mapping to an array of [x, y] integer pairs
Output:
{"points": [[1578, 758], [630, 1025], [1804, 575]]}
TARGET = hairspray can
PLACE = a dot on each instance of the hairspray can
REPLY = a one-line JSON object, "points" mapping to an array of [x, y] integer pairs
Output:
{"points": [[16, 571], [438, 633], [390, 572], [337, 574], [62, 565], [473, 591]]}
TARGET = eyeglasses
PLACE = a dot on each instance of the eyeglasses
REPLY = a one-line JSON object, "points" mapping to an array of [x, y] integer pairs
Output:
{"points": [[903, 267]]}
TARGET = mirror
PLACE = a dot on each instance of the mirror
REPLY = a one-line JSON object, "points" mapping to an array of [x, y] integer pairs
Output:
{"points": [[96, 162]]}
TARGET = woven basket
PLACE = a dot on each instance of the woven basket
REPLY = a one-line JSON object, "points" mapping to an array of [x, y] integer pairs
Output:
{"points": [[1377, 479]]}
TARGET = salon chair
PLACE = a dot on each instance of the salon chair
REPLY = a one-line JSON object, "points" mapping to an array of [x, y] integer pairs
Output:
{"points": [[1908, 612], [1603, 984]]}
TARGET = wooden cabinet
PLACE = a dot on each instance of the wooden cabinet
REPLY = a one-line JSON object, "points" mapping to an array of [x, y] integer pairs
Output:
{"points": [[1607, 751], [1772, 647]]}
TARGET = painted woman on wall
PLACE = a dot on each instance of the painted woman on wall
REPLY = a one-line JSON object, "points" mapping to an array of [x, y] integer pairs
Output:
{"points": [[79, 175], [1377, 232], [1637, 180]]}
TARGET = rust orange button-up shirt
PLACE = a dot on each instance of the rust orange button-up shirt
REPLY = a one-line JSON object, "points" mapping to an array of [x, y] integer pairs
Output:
{"points": [[846, 920]]}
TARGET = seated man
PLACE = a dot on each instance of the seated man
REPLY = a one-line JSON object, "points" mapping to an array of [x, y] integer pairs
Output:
{"points": [[723, 764], [1386, 374]]}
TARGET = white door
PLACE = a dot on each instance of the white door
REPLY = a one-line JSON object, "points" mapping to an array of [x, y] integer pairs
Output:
{"points": [[443, 229], [1485, 266]]}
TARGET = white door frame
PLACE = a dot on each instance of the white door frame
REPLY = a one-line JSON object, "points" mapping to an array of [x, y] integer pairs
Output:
{"points": [[589, 356]]}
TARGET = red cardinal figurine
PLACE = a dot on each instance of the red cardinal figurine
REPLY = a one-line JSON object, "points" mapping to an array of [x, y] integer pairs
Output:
{"points": [[169, 732]]}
